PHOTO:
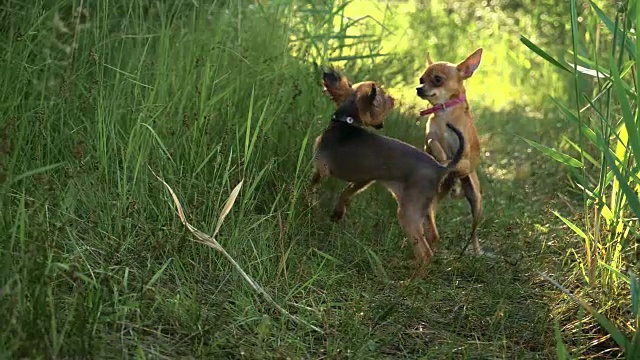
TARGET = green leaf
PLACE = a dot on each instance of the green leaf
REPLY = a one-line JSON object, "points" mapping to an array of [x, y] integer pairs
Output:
{"points": [[632, 197], [619, 89], [157, 275], [615, 333], [637, 52], [326, 256], [159, 141], [620, 275], [584, 152], [567, 113], [612, 28], [555, 154], [35, 172], [560, 348], [543, 54], [634, 348], [627, 117], [574, 31], [573, 227], [634, 293], [356, 57]]}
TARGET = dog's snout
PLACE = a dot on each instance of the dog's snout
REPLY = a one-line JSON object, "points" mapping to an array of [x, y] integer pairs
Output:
{"points": [[420, 90]]}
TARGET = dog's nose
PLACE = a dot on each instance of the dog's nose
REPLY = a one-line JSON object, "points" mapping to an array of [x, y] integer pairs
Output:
{"points": [[419, 90]]}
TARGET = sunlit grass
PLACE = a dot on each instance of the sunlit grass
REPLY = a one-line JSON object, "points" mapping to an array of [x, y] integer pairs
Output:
{"points": [[500, 83]]}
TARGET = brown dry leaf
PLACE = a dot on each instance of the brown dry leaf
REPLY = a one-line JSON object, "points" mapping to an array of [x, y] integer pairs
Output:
{"points": [[227, 207]]}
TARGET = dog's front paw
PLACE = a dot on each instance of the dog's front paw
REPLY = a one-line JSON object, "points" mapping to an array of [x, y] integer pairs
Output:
{"points": [[337, 215]]}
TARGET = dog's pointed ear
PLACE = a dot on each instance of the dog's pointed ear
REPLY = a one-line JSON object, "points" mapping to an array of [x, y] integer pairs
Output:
{"points": [[336, 85], [470, 64], [373, 93], [429, 61]]}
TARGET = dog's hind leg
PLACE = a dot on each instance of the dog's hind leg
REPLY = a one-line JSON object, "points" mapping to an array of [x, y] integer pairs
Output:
{"points": [[431, 230], [471, 188], [411, 214], [312, 197], [345, 198], [320, 168]]}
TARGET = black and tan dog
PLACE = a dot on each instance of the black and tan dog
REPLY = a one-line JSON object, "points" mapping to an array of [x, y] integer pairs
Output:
{"points": [[347, 151]]}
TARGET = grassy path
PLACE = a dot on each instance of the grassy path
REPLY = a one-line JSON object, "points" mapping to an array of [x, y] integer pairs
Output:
{"points": [[467, 307]]}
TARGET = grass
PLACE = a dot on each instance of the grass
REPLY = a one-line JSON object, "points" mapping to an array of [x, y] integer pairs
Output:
{"points": [[96, 263]]}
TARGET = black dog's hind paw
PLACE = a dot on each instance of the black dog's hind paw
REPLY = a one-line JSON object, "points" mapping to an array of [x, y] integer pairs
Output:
{"points": [[456, 189]]}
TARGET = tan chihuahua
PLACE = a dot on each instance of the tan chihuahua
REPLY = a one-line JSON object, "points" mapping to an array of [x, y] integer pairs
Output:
{"points": [[347, 151], [442, 85]]}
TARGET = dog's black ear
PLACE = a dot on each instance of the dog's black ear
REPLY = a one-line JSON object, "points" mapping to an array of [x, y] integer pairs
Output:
{"points": [[374, 92], [330, 76]]}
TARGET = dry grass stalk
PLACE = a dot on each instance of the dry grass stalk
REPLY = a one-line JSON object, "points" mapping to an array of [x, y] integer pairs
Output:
{"points": [[210, 241]]}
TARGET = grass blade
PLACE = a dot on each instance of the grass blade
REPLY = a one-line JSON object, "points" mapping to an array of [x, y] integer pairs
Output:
{"points": [[571, 225], [619, 274], [634, 294], [612, 28], [615, 333], [561, 350], [621, 95], [356, 57], [35, 172], [157, 275], [155, 136], [555, 154], [631, 195], [543, 54]]}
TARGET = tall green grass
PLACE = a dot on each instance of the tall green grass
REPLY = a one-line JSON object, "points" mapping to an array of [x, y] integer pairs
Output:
{"points": [[209, 94], [95, 93], [602, 157], [206, 94]]}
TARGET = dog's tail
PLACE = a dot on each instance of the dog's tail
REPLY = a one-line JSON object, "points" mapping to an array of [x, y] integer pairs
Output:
{"points": [[460, 152]]}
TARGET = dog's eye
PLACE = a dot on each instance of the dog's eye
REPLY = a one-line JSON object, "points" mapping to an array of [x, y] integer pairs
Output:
{"points": [[437, 79], [421, 81]]}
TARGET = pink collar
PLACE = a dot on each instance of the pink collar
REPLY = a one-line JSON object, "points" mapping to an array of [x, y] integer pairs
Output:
{"points": [[445, 106]]}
